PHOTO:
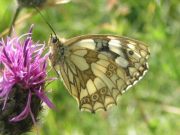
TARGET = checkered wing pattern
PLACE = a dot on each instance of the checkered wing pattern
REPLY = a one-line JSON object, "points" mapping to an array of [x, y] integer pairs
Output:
{"points": [[96, 69]]}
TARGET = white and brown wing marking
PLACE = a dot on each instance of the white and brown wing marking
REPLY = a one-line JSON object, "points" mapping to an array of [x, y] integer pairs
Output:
{"points": [[93, 79], [99, 68], [129, 54]]}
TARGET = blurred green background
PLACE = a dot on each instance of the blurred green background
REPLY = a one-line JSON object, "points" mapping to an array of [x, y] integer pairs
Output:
{"points": [[152, 107]]}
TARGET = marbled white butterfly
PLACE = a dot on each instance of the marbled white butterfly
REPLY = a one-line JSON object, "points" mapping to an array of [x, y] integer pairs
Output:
{"points": [[96, 69]]}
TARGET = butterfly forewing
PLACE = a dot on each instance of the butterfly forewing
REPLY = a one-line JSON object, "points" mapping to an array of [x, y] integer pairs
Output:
{"points": [[129, 54], [96, 69]]}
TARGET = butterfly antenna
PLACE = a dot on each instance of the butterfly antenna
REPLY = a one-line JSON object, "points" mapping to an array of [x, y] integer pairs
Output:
{"points": [[45, 21], [14, 19]]}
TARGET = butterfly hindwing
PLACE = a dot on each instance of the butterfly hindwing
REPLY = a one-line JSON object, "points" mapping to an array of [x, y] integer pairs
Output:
{"points": [[93, 79]]}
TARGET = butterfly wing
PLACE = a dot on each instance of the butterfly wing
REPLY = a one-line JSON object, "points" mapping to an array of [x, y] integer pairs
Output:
{"points": [[101, 67], [93, 79], [127, 53]]}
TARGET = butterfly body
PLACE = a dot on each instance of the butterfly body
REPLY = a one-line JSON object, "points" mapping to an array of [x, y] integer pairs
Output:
{"points": [[96, 69]]}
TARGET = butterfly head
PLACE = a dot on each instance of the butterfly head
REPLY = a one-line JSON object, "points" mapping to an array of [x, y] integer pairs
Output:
{"points": [[56, 50], [54, 40], [54, 43]]}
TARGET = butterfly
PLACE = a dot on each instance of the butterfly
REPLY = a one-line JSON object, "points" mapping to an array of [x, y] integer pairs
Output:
{"points": [[97, 69]]}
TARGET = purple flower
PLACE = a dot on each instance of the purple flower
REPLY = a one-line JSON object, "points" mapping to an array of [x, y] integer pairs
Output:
{"points": [[23, 71]]}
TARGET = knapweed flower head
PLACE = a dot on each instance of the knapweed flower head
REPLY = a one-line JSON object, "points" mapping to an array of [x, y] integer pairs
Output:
{"points": [[22, 82]]}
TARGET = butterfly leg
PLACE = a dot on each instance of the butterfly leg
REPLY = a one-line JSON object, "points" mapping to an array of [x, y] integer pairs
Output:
{"points": [[56, 71]]}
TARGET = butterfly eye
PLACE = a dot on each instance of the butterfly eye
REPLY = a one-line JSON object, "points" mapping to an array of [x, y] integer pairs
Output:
{"points": [[54, 40]]}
